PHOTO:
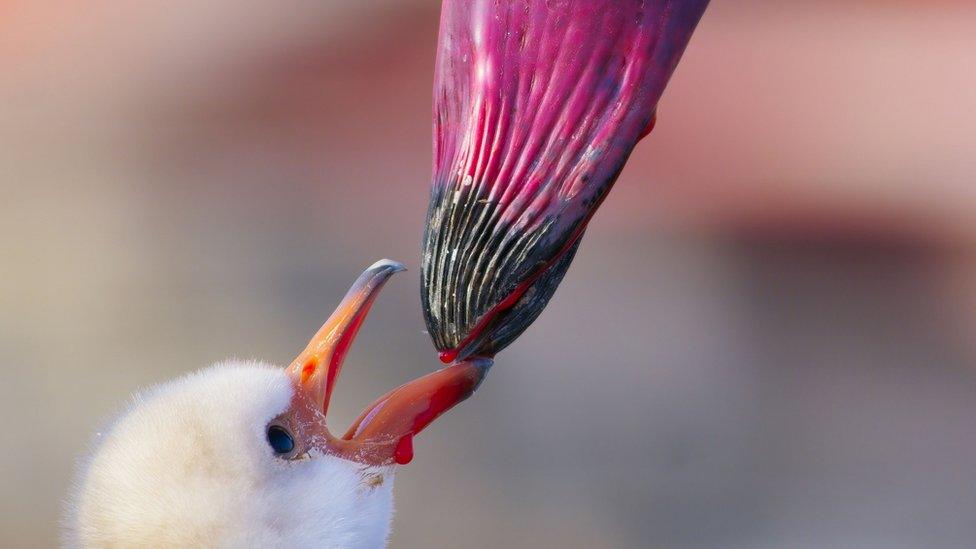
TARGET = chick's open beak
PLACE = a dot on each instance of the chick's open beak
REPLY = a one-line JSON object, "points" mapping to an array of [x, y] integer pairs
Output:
{"points": [[384, 432]]}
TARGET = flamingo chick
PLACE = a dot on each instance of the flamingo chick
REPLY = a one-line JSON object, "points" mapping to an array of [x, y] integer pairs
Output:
{"points": [[239, 454]]}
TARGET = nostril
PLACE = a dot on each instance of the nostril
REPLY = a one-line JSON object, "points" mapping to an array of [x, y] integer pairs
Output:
{"points": [[280, 440]]}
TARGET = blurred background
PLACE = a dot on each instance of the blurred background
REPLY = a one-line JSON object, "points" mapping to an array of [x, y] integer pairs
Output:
{"points": [[766, 339]]}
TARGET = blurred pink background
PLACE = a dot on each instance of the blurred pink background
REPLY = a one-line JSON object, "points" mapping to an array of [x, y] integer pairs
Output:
{"points": [[766, 339]]}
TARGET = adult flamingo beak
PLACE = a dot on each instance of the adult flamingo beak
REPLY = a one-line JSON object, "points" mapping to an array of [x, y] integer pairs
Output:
{"points": [[384, 432], [537, 107]]}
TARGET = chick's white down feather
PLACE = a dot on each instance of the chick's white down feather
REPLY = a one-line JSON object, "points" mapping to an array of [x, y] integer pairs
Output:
{"points": [[188, 465]]}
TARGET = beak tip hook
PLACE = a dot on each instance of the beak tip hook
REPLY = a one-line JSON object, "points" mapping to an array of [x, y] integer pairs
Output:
{"points": [[387, 265]]}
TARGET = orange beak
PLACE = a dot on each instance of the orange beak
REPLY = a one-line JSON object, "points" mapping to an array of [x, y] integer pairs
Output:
{"points": [[384, 432]]}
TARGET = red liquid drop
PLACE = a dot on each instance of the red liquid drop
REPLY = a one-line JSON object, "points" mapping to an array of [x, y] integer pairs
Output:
{"points": [[404, 450], [448, 356]]}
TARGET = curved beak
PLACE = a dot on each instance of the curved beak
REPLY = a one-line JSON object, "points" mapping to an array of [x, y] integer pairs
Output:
{"points": [[384, 432]]}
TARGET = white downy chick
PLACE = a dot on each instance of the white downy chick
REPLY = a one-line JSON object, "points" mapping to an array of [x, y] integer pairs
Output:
{"points": [[239, 455]]}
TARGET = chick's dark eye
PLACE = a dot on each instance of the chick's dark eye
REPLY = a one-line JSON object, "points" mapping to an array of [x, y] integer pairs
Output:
{"points": [[280, 440]]}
